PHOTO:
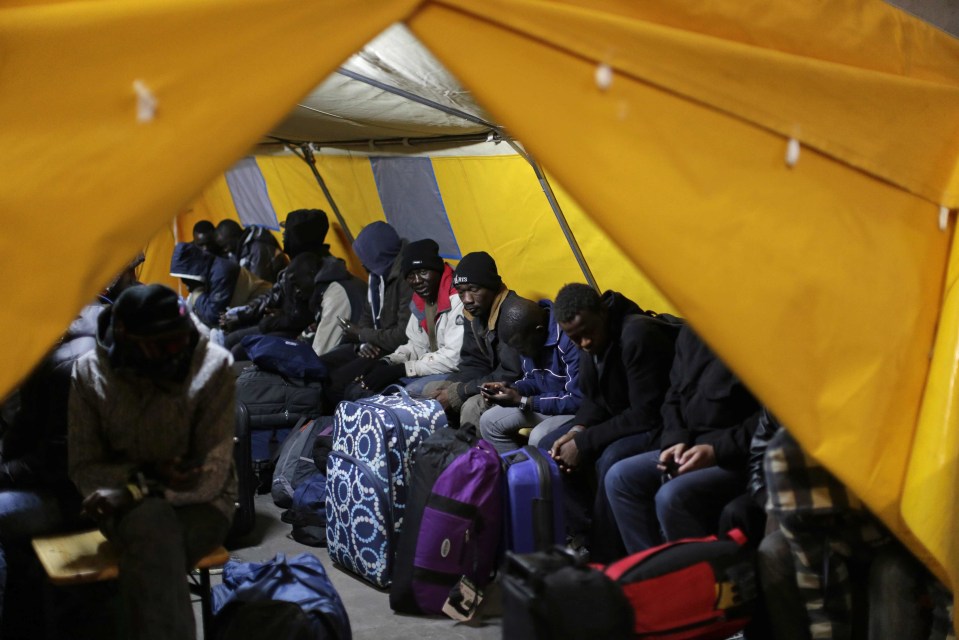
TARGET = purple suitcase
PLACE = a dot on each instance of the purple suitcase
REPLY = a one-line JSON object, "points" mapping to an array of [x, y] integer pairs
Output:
{"points": [[459, 533], [535, 518]]}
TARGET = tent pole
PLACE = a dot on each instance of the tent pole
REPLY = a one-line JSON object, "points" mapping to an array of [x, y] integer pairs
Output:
{"points": [[558, 212], [309, 158]]}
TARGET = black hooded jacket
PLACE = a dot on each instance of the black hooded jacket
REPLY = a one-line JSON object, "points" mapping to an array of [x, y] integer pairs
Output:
{"points": [[626, 397], [389, 331], [290, 299], [260, 253]]}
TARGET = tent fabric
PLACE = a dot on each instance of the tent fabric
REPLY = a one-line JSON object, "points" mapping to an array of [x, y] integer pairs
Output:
{"points": [[486, 196], [822, 282]]}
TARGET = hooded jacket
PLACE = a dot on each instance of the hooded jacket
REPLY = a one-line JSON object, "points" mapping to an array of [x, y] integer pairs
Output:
{"points": [[217, 274], [707, 404], [625, 398], [389, 330], [415, 355]]}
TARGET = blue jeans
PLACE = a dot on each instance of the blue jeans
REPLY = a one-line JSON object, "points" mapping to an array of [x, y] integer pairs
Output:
{"points": [[688, 506]]}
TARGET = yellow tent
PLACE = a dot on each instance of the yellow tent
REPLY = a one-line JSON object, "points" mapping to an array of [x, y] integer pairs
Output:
{"points": [[784, 172]]}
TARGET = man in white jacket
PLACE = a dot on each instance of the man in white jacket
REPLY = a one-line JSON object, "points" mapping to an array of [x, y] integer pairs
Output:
{"points": [[435, 329]]}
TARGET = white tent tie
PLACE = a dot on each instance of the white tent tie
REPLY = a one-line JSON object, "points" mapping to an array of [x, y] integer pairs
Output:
{"points": [[604, 76], [792, 152], [943, 218], [146, 102]]}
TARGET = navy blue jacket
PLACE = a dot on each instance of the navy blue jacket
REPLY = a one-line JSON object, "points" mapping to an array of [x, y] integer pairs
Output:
{"points": [[552, 381], [217, 274]]}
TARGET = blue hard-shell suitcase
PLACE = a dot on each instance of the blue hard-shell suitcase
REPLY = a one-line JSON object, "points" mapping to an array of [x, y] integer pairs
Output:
{"points": [[535, 519], [368, 475]]}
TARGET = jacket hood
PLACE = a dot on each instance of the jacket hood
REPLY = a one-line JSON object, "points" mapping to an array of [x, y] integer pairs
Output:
{"points": [[190, 261], [619, 306], [377, 247]]}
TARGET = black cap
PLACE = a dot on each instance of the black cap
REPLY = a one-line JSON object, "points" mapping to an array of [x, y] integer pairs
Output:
{"points": [[422, 254], [478, 268]]}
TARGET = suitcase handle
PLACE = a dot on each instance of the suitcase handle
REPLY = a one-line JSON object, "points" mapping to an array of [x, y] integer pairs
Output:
{"points": [[401, 389]]}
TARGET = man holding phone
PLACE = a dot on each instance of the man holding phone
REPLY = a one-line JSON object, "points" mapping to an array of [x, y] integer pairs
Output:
{"points": [[548, 395]]}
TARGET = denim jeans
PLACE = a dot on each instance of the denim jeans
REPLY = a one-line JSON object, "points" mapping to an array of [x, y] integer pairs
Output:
{"points": [[645, 509], [500, 425]]}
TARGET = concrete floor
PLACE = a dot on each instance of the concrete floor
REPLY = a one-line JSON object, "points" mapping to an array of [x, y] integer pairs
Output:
{"points": [[369, 609]]}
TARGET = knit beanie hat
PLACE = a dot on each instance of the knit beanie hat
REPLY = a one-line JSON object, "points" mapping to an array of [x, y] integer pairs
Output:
{"points": [[422, 254], [149, 310], [377, 246], [478, 268], [305, 230]]}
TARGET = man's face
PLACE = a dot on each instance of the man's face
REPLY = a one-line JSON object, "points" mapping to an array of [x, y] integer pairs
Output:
{"points": [[205, 241], [529, 342], [476, 299], [424, 282], [588, 330]]}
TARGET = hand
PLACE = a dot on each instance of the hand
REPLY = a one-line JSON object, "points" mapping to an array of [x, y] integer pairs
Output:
{"points": [[103, 503], [350, 329], [499, 393], [443, 397], [669, 458], [368, 350], [700, 456], [565, 452]]}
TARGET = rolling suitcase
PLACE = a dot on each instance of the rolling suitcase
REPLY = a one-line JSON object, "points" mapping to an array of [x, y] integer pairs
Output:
{"points": [[535, 519], [368, 475], [245, 515]]}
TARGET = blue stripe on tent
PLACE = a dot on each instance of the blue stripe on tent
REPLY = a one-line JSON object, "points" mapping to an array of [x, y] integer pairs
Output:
{"points": [[248, 188], [412, 202]]}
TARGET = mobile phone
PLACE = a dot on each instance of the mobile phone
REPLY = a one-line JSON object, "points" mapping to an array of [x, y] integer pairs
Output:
{"points": [[343, 323], [672, 467]]}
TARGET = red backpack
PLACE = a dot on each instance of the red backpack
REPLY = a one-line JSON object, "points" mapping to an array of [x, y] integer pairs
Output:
{"points": [[697, 588]]}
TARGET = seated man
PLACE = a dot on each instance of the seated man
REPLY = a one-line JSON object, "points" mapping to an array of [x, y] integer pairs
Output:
{"points": [[215, 283], [434, 331], [254, 248], [382, 325], [337, 302], [484, 357], [625, 356], [709, 417], [548, 395], [151, 447]]}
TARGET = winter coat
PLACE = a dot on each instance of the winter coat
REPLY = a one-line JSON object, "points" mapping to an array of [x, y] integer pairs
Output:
{"points": [[448, 329], [627, 396], [484, 358], [337, 294], [389, 330], [260, 254]]}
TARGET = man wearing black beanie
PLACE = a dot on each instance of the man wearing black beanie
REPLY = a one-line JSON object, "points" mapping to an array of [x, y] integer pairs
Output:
{"points": [[434, 332], [483, 357]]}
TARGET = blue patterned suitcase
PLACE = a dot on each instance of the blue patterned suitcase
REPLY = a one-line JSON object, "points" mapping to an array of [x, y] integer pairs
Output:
{"points": [[368, 475]]}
